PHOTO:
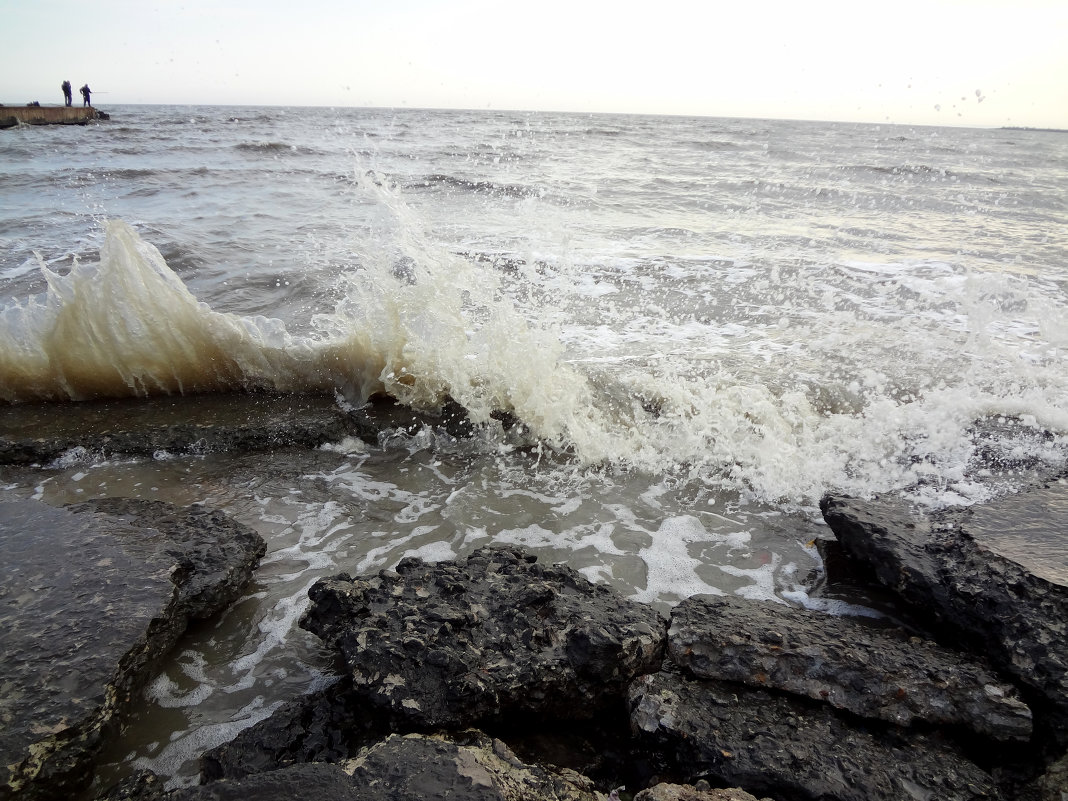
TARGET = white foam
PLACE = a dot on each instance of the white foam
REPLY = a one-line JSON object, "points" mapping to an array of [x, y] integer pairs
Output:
{"points": [[763, 578], [347, 446], [671, 573], [433, 552], [830, 606], [167, 693]]}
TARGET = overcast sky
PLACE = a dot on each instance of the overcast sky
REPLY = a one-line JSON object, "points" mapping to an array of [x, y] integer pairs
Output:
{"points": [[952, 62]]}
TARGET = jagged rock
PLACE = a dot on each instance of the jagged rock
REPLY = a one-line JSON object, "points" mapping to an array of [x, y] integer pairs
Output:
{"points": [[467, 767], [852, 665], [471, 767], [1053, 786], [93, 595], [496, 635], [325, 726], [996, 575], [684, 792], [141, 785], [332, 725], [769, 744]]}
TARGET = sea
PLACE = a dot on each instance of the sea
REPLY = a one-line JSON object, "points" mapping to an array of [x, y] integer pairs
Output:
{"points": [[701, 325]]}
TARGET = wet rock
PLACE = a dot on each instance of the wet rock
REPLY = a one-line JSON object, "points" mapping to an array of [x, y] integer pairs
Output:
{"points": [[141, 785], [238, 422], [493, 636], [769, 744], [1053, 786], [847, 663], [467, 767], [314, 781], [332, 725], [326, 726], [93, 595], [685, 792], [995, 577], [470, 766]]}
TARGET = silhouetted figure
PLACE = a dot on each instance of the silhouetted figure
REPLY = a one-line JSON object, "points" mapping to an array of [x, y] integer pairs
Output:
{"points": [[65, 86], [85, 95]]}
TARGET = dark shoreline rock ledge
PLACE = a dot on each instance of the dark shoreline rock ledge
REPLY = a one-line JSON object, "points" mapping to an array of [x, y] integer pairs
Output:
{"points": [[240, 422], [770, 743], [495, 636], [873, 672], [93, 595], [777, 701], [992, 578]]}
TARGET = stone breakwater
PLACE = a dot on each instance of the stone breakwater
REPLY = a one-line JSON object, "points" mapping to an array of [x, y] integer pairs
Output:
{"points": [[497, 677], [11, 116]]}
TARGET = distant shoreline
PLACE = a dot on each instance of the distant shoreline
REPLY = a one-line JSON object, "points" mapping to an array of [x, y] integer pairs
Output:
{"points": [[1040, 130]]}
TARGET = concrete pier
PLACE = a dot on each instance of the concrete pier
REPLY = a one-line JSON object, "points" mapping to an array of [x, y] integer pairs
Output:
{"points": [[48, 115]]}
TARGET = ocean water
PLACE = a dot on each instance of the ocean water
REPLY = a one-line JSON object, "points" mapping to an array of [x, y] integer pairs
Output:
{"points": [[703, 324]]}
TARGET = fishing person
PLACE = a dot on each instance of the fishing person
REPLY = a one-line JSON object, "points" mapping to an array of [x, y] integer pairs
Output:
{"points": [[65, 86], [85, 95]]}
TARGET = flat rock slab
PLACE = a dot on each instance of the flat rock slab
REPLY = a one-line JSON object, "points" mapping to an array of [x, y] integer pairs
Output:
{"points": [[454, 644], [873, 672], [207, 423], [93, 595], [965, 571], [769, 744], [1030, 529]]}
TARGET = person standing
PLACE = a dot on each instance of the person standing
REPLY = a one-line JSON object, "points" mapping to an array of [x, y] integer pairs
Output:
{"points": [[85, 95], [65, 86]]}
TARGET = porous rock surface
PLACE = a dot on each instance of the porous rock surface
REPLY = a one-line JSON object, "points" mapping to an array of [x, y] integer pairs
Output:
{"points": [[995, 577], [1053, 785], [467, 766], [93, 594], [685, 792], [874, 672], [773, 744], [491, 636], [325, 726]]}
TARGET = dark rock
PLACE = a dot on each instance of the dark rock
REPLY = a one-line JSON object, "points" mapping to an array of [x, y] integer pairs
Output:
{"points": [[93, 595], [467, 767], [684, 792], [461, 643], [142, 785], [326, 726], [237, 422], [847, 663], [189, 424], [767, 744], [471, 767], [994, 576], [314, 781], [1053, 786], [333, 725]]}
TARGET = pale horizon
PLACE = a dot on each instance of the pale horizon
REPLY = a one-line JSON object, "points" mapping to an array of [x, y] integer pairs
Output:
{"points": [[991, 63]]}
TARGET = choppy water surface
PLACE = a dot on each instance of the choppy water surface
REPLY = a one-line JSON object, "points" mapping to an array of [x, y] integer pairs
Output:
{"points": [[704, 325]]}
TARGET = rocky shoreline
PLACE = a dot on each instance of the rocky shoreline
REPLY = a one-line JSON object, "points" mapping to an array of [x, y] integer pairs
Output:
{"points": [[498, 677]]}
